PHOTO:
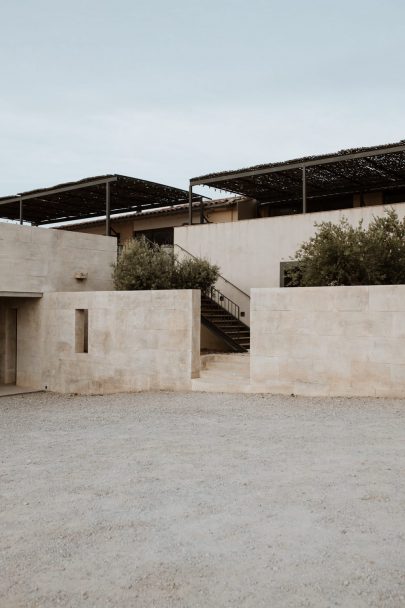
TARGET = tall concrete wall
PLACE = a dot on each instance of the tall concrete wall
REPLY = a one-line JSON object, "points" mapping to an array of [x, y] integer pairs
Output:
{"points": [[249, 252], [43, 260], [329, 341], [139, 340]]}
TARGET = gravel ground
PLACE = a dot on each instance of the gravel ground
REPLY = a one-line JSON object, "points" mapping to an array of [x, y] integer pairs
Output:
{"points": [[191, 499]]}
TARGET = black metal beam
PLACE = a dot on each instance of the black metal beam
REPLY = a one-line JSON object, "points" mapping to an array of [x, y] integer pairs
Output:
{"points": [[297, 165], [26, 197]]}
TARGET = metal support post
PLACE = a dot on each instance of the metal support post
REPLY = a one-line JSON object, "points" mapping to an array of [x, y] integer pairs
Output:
{"points": [[107, 209], [304, 191], [190, 204], [21, 211]]}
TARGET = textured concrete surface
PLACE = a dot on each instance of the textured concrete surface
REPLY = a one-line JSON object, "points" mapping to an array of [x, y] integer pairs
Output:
{"points": [[318, 341], [195, 500], [42, 259], [137, 340], [249, 252]]}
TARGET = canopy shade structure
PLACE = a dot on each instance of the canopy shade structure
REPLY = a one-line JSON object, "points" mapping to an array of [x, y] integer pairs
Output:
{"points": [[350, 171], [90, 197]]}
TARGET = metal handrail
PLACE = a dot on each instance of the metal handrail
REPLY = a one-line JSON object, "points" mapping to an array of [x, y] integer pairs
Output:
{"points": [[213, 293], [226, 303], [219, 275], [195, 257], [219, 298]]}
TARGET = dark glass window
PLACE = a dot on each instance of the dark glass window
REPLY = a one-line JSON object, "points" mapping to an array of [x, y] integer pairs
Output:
{"points": [[160, 236]]}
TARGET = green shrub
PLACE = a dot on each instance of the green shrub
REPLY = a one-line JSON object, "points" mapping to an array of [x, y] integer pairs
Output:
{"points": [[195, 273], [143, 265], [340, 254]]}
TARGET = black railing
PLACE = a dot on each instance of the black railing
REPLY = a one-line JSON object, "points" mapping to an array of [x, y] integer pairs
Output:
{"points": [[233, 334], [219, 275], [219, 298]]}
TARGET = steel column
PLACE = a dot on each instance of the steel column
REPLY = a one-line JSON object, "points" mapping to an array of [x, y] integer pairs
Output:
{"points": [[21, 211], [107, 209], [304, 191], [201, 211], [190, 204]]}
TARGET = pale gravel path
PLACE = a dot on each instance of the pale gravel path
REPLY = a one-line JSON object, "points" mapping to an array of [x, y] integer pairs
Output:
{"points": [[194, 500]]}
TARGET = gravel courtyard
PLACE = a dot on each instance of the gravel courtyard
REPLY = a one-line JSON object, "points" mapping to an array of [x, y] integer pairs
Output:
{"points": [[191, 499]]}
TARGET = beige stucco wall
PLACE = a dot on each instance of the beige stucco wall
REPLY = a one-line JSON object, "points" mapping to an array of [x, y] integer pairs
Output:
{"points": [[40, 259], [329, 341], [139, 340], [249, 252], [126, 228]]}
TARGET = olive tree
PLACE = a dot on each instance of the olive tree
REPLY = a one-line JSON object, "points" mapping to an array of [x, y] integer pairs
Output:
{"points": [[341, 254], [144, 265]]}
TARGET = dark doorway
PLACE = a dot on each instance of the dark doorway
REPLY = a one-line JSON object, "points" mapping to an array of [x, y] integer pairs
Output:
{"points": [[160, 236], [8, 345]]}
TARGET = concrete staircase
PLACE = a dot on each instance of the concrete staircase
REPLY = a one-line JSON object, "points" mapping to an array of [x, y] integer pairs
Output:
{"points": [[218, 314], [224, 373]]}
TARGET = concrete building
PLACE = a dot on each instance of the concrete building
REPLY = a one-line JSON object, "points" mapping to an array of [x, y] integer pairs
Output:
{"points": [[62, 327], [291, 197]]}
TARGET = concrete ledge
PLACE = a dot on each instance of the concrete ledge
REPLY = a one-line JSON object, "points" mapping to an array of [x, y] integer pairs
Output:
{"points": [[21, 294], [6, 390]]}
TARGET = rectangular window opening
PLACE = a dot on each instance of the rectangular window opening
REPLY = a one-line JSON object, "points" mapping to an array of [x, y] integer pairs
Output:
{"points": [[285, 269], [82, 330]]}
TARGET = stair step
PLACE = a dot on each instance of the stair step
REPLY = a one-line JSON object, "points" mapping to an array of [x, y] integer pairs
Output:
{"points": [[240, 332], [226, 361], [232, 330], [225, 366], [218, 313], [239, 357], [212, 375], [238, 365], [201, 385]]}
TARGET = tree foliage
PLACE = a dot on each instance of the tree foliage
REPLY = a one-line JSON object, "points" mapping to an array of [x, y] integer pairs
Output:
{"points": [[195, 273], [341, 254], [143, 265]]}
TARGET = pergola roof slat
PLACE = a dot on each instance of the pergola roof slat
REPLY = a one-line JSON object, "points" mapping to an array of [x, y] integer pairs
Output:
{"points": [[86, 198], [347, 171]]}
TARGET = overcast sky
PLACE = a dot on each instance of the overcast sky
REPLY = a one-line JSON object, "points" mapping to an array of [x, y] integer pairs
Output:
{"points": [[170, 90]]}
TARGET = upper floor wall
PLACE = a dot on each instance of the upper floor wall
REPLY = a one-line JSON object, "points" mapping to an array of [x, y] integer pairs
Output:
{"points": [[43, 260], [249, 252], [159, 226]]}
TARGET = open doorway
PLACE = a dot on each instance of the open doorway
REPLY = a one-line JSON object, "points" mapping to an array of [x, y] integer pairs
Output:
{"points": [[8, 345]]}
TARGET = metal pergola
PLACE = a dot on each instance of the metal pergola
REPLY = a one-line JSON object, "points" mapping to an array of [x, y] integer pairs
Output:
{"points": [[90, 198], [347, 172]]}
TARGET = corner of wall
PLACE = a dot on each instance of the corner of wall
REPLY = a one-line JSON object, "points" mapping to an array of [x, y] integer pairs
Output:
{"points": [[195, 332]]}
